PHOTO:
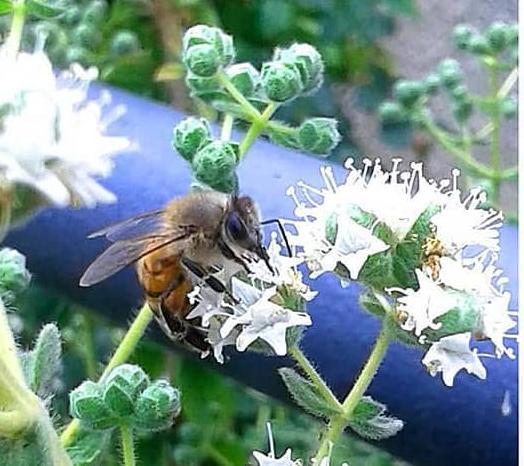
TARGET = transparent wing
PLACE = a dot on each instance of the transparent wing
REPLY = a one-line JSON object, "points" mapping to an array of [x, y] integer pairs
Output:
{"points": [[133, 227], [125, 252]]}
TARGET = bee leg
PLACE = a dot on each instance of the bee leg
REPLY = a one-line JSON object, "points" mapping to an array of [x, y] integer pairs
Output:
{"points": [[210, 280], [230, 254]]}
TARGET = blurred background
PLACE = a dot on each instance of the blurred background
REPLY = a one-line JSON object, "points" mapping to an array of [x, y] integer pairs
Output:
{"points": [[367, 46]]}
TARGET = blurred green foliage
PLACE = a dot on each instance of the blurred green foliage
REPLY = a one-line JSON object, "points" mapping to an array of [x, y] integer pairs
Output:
{"points": [[239, 414]]}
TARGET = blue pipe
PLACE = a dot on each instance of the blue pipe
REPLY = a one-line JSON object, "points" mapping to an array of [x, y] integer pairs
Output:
{"points": [[462, 425]]}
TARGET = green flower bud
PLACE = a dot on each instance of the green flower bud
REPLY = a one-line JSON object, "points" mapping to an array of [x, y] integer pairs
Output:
{"points": [[122, 387], [87, 404], [76, 55], [509, 107], [308, 62], [14, 276], [450, 73], [202, 60], [461, 35], [318, 135], [87, 36], [214, 164], [95, 12], [201, 85], [214, 37], [281, 82], [432, 83], [497, 36], [244, 77], [124, 43], [462, 109], [391, 112], [408, 92], [513, 34], [479, 45], [157, 407], [190, 135]]}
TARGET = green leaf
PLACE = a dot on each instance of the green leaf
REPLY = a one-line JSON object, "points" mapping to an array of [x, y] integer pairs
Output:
{"points": [[6, 6], [44, 9], [369, 421], [370, 303], [44, 363], [306, 394], [88, 447]]}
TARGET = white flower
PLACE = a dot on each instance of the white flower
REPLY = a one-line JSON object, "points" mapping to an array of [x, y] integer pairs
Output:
{"points": [[270, 460], [261, 319], [207, 304], [451, 354], [216, 340], [51, 137], [465, 223], [423, 306]]}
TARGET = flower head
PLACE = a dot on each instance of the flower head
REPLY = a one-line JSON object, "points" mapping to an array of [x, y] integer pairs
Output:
{"points": [[51, 137]]}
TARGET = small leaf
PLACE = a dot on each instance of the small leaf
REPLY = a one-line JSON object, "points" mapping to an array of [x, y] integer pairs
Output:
{"points": [[369, 421], [6, 6], [371, 304], [306, 394], [44, 9], [45, 361], [88, 447]]}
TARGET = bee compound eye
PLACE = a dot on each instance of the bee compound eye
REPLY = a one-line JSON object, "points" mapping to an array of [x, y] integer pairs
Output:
{"points": [[236, 228]]}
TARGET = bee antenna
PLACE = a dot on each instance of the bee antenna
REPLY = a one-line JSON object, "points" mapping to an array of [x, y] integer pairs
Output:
{"points": [[282, 232]]}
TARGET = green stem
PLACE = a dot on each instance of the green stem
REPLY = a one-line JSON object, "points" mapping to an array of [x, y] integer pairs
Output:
{"points": [[6, 210], [122, 354], [338, 423], [257, 126], [128, 447], [227, 127], [17, 27], [495, 134], [314, 377], [247, 107], [217, 456], [508, 83]]}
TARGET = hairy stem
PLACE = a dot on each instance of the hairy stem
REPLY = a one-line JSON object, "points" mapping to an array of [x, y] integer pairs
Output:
{"points": [[257, 126], [17, 26], [338, 423], [227, 127], [247, 107], [128, 447], [121, 355], [315, 377]]}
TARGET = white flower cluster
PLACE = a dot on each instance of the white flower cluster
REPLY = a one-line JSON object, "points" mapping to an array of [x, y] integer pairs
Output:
{"points": [[253, 310], [51, 137], [457, 269]]}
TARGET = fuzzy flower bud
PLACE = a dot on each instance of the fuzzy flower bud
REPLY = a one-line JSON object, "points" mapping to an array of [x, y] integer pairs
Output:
{"points": [[461, 35], [14, 276], [190, 135], [200, 85], [244, 77], [122, 387], [215, 39], [450, 73], [513, 34], [95, 12], [462, 109], [157, 407], [509, 107], [124, 43], [202, 60], [432, 83], [86, 35], [497, 36], [214, 164], [308, 62], [391, 112], [87, 404], [408, 92], [479, 45], [281, 82], [319, 135]]}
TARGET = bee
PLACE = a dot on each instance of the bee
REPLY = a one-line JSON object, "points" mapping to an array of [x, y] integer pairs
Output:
{"points": [[192, 239], [433, 250]]}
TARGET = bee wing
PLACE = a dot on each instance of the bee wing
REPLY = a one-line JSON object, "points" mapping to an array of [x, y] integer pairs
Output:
{"points": [[133, 227], [125, 252]]}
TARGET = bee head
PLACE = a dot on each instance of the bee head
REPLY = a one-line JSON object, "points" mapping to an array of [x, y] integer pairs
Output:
{"points": [[242, 226]]}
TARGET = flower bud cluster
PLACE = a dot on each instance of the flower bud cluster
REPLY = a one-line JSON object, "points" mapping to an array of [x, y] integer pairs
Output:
{"points": [[496, 39], [213, 162], [125, 396], [14, 276]]}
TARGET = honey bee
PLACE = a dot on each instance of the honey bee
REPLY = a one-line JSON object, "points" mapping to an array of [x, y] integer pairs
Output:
{"points": [[192, 238], [433, 250]]}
